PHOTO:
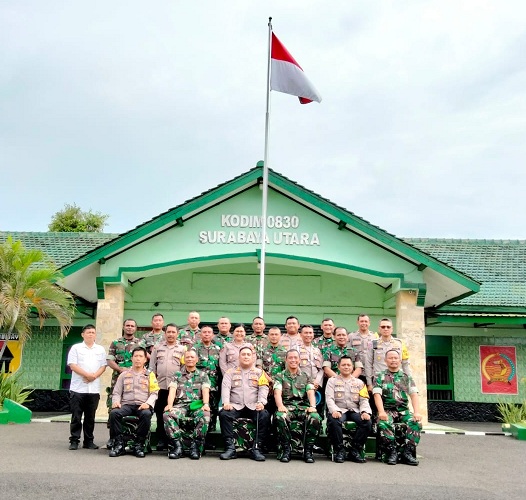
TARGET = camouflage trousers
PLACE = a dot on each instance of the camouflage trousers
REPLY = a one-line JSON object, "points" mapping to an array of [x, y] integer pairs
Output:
{"points": [[386, 428], [298, 427], [180, 421]]}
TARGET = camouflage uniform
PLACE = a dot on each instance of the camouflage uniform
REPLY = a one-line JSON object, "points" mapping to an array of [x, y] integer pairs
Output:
{"points": [[376, 357], [165, 361], [323, 343], [120, 351], [260, 343], [333, 354], [221, 340], [189, 388], [396, 388], [272, 360], [188, 337], [296, 427], [209, 363]]}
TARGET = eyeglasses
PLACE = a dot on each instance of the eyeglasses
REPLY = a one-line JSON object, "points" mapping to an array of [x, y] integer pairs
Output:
{"points": [[386, 326]]}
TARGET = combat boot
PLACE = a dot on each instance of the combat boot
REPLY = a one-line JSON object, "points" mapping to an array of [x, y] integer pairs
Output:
{"points": [[230, 451], [285, 455], [391, 453], [355, 456], [408, 455], [194, 454], [308, 457], [255, 454], [339, 454], [118, 448], [139, 449], [174, 449]]}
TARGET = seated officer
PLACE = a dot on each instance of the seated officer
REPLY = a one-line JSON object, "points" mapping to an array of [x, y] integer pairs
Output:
{"points": [[189, 385], [347, 400], [392, 390], [244, 392], [296, 404], [134, 393]]}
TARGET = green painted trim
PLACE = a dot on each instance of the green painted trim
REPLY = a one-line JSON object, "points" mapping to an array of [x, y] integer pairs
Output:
{"points": [[171, 216], [481, 309], [474, 319], [374, 232], [101, 280], [176, 216]]}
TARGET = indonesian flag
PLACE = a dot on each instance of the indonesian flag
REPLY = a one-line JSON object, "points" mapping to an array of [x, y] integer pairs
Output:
{"points": [[287, 76]]}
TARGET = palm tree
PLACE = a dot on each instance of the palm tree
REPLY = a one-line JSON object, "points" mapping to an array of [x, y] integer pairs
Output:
{"points": [[27, 285]]}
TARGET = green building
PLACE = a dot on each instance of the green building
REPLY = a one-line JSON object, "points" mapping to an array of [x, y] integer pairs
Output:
{"points": [[447, 298]]}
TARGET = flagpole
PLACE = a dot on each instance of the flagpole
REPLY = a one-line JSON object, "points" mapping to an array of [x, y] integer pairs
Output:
{"points": [[265, 181]]}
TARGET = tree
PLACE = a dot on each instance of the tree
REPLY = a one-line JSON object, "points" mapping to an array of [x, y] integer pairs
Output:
{"points": [[28, 285], [71, 219]]}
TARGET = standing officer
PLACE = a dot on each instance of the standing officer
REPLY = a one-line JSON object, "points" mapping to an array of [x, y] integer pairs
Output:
{"points": [[327, 338], [347, 400], [376, 356], [191, 332], [244, 392], [188, 386], [223, 331], [392, 390], [208, 362], [291, 338], [296, 407], [340, 348], [258, 338], [362, 339], [135, 393], [156, 335], [165, 361]]}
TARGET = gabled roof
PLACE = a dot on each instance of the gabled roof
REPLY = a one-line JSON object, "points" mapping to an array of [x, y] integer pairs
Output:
{"points": [[61, 248], [339, 215], [500, 265]]}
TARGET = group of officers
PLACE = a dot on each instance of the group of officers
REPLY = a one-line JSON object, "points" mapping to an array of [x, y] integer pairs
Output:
{"points": [[283, 382]]}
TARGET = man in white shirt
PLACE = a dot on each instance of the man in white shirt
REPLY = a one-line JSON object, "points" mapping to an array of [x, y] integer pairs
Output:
{"points": [[87, 361]]}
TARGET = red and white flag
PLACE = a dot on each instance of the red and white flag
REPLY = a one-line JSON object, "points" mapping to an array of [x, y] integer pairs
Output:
{"points": [[287, 76]]}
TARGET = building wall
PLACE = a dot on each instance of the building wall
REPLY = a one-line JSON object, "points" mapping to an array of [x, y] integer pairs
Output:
{"points": [[466, 368]]}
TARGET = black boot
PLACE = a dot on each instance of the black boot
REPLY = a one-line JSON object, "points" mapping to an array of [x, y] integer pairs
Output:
{"points": [[255, 454], [356, 456], [308, 458], [285, 456], [339, 454], [194, 454], [118, 447], [391, 453], [174, 449], [230, 450], [139, 449], [408, 455]]}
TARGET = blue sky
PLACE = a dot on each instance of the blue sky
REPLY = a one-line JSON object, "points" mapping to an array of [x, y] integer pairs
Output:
{"points": [[130, 108]]}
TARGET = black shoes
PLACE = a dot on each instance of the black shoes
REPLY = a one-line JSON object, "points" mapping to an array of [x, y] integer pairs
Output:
{"points": [[355, 456], [90, 445], [255, 454], [230, 451], [73, 445]]}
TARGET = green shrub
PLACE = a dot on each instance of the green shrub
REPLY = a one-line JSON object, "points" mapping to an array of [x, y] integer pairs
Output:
{"points": [[12, 388], [511, 413]]}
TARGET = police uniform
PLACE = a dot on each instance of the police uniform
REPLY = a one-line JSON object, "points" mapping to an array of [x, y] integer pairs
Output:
{"points": [[311, 362], [120, 351], [294, 395], [362, 344], [165, 361], [131, 391], [243, 389], [395, 389], [260, 343], [189, 388], [290, 341], [376, 357], [189, 337], [229, 355], [350, 398]]}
